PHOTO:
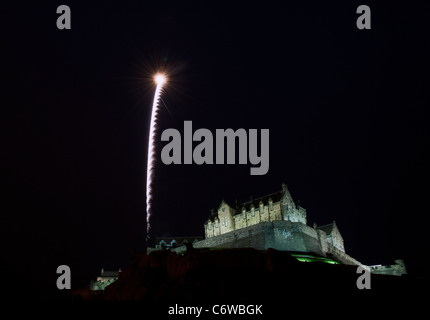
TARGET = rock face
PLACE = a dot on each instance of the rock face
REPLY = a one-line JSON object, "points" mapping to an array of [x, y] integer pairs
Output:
{"points": [[236, 275]]}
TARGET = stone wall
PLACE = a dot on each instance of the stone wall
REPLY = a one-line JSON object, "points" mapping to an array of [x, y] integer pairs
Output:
{"points": [[279, 235], [247, 218], [343, 257], [397, 269], [252, 236], [228, 220], [335, 238]]}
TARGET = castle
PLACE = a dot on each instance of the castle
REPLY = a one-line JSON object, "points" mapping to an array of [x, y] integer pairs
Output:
{"points": [[277, 221], [273, 221]]}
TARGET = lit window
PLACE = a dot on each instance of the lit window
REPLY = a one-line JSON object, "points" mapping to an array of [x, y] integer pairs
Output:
{"points": [[252, 211]]}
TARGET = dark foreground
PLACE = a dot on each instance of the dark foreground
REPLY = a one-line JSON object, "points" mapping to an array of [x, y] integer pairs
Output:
{"points": [[272, 278]]}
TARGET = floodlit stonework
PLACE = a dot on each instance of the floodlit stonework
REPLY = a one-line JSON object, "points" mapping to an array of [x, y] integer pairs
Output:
{"points": [[283, 223]]}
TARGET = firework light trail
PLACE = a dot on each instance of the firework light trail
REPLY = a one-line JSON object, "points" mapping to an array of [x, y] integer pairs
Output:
{"points": [[160, 80]]}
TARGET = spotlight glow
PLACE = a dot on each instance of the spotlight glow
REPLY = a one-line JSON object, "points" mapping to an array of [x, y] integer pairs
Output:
{"points": [[160, 79]]}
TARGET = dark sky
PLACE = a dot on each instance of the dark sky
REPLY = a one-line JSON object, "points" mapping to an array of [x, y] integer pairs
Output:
{"points": [[347, 111]]}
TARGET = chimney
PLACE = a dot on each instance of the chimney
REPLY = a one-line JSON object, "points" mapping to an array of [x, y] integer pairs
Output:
{"points": [[284, 187]]}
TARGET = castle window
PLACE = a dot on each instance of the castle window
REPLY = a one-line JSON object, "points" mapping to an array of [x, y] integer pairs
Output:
{"points": [[261, 208], [210, 226], [226, 221], [284, 206], [270, 204], [216, 224], [252, 211]]}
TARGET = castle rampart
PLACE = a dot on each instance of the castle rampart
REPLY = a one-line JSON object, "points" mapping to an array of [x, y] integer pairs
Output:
{"points": [[279, 235]]}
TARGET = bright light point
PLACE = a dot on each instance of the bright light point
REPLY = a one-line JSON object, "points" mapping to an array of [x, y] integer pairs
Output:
{"points": [[160, 79]]}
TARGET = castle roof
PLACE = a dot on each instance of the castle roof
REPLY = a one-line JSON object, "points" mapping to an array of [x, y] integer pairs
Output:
{"points": [[327, 228], [276, 197], [179, 240], [105, 274]]}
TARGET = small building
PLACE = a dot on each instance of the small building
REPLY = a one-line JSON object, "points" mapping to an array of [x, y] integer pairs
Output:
{"points": [[396, 269], [104, 279], [174, 242]]}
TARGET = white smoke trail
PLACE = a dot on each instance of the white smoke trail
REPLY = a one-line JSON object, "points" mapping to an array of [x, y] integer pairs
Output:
{"points": [[160, 80]]}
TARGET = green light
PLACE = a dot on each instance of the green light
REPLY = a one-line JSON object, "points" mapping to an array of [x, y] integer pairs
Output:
{"points": [[309, 258]]}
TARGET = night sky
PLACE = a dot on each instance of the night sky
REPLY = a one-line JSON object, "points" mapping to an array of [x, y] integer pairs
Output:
{"points": [[347, 109]]}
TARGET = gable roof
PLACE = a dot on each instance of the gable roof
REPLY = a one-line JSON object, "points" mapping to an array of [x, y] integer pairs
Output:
{"points": [[327, 228]]}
